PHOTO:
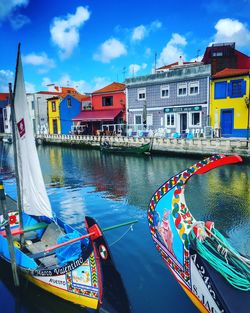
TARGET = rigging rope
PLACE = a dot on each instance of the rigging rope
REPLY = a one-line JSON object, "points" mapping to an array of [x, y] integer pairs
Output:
{"points": [[223, 258], [123, 235]]}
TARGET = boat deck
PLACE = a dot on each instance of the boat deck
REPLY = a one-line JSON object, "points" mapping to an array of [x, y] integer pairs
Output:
{"points": [[48, 239]]}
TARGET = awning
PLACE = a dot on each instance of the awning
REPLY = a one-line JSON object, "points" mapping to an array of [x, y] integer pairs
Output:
{"points": [[98, 115]]}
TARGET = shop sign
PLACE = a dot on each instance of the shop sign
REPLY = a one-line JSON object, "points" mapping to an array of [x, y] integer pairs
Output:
{"points": [[183, 109]]}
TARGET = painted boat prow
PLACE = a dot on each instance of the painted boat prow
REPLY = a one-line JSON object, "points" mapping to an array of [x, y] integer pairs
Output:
{"points": [[171, 223], [115, 298]]}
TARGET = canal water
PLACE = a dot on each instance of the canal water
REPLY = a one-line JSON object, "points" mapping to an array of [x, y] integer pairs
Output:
{"points": [[114, 189]]}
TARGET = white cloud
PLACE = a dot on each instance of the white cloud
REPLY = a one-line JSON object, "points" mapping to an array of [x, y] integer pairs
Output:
{"points": [[8, 6], [65, 31], [18, 21], [141, 31], [138, 33], [41, 60], [29, 87], [230, 30], [172, 51], [133, 69], [109, 50], [6, 77], [99, 82], [8, 10], [65, 80], [80, 85]]}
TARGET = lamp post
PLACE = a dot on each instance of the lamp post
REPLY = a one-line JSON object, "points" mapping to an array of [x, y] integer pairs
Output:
{"points": [[247, 101], [144, 115]]}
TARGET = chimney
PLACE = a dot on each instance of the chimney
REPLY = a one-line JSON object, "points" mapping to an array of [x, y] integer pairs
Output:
{"points": [[180, 62]]}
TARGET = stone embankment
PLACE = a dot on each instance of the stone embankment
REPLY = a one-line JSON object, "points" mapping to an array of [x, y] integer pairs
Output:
{"points": [[202, 146]]}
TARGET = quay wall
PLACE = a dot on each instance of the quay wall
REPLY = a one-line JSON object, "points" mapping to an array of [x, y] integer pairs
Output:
{"points": [[199, 146]]}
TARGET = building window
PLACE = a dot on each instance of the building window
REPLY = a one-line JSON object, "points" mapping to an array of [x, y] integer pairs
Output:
{"points": [[69, 104], [33, 105], [165, 91], [107, 101], [220, 90], [86, 105], [170, 120], [138, 119], [193, 88], [195, 120], [237, 88], [181, 89], [53, 106], [141, 94], [217, 54]]}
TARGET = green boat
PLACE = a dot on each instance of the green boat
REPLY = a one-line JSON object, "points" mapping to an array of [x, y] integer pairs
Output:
{"points": [[128, 149]]}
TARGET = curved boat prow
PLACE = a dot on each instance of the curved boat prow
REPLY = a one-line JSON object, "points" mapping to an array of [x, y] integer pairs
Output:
{"points": [[187, 246], [225, 160], [115, 299]]}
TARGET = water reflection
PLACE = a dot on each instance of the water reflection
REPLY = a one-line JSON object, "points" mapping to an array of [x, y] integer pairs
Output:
{"points": [[116, 188]]}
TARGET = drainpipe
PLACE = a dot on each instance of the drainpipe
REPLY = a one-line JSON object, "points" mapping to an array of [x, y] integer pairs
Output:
{"points": [[208, 122], [247, 101]]}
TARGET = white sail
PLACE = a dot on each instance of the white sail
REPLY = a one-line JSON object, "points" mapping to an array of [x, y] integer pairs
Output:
{"points": [[34, 198]]}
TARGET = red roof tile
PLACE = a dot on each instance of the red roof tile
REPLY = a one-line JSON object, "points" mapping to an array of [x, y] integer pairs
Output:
{"points": [[229, 72], [174, 64], [49, 92], [69, 90], [98, 115], [111, 88]]}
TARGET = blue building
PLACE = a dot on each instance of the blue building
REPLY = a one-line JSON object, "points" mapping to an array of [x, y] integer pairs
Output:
{"points": [[70, 106]]}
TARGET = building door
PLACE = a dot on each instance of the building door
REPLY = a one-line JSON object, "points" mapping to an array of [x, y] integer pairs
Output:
{"points": [[55, 130], [226, 122], [183, 122]]}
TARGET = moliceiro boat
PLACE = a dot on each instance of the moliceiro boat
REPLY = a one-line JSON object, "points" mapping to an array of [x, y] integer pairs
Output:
{"points": [[126, 149], [75, 266], [212, 273]]}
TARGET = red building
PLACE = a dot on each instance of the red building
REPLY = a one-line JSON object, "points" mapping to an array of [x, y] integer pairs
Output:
{"points": [[108, 114], [224, 55]]}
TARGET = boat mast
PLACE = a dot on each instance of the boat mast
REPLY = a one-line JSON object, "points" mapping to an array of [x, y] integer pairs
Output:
{"points": [[13, 121]]}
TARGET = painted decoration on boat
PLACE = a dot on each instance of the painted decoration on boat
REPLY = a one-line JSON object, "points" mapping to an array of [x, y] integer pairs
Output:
{"points": [[171, 223]]}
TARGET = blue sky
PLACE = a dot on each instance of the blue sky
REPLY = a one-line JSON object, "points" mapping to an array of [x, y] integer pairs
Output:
{"points": [[90, 44]]}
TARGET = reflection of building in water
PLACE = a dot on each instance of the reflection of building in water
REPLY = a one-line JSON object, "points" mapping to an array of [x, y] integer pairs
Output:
{"points": [[108, 172], [222, 196], [56, 163]]}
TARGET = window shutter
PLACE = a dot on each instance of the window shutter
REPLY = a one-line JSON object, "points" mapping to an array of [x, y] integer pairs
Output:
{"points": [[229, 90], [243, 87]]}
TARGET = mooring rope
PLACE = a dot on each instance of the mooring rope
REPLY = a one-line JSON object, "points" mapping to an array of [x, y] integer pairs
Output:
{"points": [[223, 258]]}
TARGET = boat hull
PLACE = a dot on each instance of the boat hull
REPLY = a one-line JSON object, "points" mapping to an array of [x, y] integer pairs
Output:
{"points": [[143, 149], [64, 294]]}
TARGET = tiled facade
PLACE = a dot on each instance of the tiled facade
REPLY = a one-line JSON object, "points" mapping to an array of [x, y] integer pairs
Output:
{"points": [[157, 104]]}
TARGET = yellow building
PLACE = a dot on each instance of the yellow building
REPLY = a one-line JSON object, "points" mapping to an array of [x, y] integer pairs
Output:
{"points": [[53, 105], [229, 103]]}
